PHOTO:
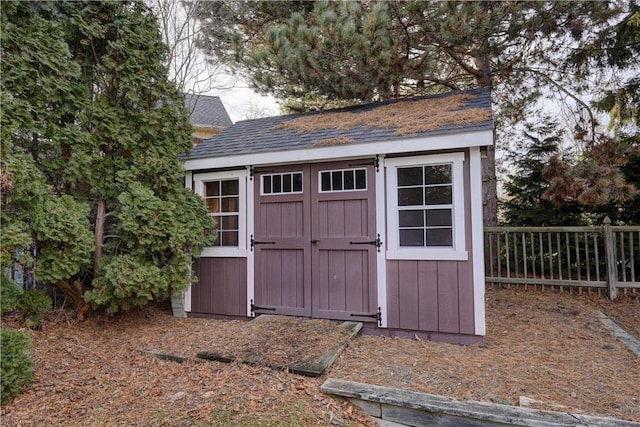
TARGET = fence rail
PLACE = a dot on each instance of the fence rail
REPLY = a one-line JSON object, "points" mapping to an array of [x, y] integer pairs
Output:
{"points": [[604, 257]]}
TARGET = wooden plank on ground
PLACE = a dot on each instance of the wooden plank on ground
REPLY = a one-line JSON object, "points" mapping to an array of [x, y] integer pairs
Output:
{"points": [[446, 411]]}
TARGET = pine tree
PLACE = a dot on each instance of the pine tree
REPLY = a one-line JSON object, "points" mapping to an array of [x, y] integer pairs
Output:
{"points": [[525, 203], [324, 53]]}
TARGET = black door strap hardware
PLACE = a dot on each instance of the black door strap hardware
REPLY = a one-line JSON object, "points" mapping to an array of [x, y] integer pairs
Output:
{"points": [[377, 243], [377, 316], [260, 242], [256, 307]]}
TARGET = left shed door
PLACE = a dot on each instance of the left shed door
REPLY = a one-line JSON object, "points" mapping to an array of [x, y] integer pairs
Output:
{"points": [[282, 240]]}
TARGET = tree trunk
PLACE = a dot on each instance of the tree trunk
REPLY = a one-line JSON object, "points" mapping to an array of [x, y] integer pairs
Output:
{"points": [[489, 182], [99, 233], [489, 187]]}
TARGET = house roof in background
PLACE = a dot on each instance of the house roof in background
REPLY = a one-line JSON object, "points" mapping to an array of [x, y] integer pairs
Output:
{"points": [[423, 116], [206, 111]]}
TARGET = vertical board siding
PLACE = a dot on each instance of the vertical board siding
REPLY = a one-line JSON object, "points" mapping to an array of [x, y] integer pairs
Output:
{"points": [[448, 297], [221, 287], [428, 296], [407, 293]]}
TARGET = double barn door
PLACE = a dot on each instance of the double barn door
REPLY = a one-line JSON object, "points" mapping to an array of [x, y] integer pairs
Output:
{"points": [[315, 241]]}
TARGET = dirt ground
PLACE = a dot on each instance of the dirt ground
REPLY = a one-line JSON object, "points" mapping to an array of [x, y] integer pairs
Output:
{"points": [[543, 345]]}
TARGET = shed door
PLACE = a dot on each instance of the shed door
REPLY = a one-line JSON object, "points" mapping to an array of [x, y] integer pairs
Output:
{"points": [[315, 241], [282, 241]]}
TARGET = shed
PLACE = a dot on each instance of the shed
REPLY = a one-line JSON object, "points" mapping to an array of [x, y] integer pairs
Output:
{"points": [[370, 213]]}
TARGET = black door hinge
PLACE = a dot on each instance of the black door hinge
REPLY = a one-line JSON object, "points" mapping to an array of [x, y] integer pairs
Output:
{"points": [[377, 243], [260, 242], [377, 316], [257, 307]]}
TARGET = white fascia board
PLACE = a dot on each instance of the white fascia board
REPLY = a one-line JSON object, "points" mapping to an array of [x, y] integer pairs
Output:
{"points": [[422, 144]]}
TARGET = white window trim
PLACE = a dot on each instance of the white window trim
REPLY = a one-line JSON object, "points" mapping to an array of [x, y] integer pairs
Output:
{"points": [[394, 250], [282, 193], [320, 172], [227, 251]]}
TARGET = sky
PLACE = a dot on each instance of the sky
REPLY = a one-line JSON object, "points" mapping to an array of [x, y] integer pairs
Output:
{"points": [[242, 103]]}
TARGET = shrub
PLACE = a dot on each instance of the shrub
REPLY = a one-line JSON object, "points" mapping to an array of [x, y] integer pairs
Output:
{"points": [[33, 306], [16, 365], [9, 294]]}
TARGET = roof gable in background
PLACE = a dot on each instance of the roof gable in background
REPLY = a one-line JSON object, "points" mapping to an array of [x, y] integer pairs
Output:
{"points": [[206, 111]]}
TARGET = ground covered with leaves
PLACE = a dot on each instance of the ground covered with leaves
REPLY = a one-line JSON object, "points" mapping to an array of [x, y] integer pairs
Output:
{"points": [[543, 345]]}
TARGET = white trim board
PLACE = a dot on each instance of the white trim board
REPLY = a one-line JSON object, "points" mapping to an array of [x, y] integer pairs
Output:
{"points": [[408, 145], [477, 240]]}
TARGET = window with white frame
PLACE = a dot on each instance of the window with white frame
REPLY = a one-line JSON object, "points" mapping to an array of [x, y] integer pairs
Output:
{"points": [[343, 180], [223, 200], [225, 196], [426, 207], [281, 183]]}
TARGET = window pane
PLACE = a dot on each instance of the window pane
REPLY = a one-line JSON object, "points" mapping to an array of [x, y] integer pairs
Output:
{"points": [[439, 237], [409, 176], [213, 205], [212, 188], [438, 217], [229, 222], [297, 182], [336, 180], [228, 238], [277, 184], [230, 188], [361, 179], [230, 204], [438, 174], [438, 195], [413, 237], [326, 181], [266, 184], [410, 197], [411, 218], [286, 183], [349, 181]]}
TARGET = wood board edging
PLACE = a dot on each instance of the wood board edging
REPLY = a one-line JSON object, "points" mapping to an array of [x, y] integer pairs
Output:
{"points": [[481, 413]]}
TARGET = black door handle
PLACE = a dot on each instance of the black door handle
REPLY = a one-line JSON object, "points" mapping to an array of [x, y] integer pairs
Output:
{"points": [[315, 241]]}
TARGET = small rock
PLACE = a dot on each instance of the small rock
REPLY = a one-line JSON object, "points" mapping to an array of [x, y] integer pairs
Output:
{"points": [[574, 395], [280, 387], [177, 396], [209, 395], [333, 420]]}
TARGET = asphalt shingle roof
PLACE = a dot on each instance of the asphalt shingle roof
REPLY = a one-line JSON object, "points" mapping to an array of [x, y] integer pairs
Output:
{"points": [[205, 110], [267, 135]]}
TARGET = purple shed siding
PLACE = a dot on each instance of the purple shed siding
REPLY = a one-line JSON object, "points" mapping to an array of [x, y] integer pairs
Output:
{"points": [[434, 296], [221, 288]]}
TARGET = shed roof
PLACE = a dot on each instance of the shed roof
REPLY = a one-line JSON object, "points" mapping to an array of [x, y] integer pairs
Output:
{"points": [[206, 111], [450, 113]]}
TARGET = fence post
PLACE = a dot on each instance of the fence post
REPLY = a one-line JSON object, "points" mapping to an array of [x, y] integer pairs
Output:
{"points": [[610, 248]]}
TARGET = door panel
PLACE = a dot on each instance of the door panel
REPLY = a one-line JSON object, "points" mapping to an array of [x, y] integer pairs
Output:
{"points": [[282, 248], [313, 255], [343, 269]]}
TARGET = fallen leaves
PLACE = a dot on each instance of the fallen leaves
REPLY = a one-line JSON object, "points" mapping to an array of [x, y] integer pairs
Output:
{"points": [[91, 372]]}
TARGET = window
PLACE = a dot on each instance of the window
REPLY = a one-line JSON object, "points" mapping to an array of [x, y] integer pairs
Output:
{"points": [[282, 183], [222, 198], [426, 207], [225, 195], [343, 180]]}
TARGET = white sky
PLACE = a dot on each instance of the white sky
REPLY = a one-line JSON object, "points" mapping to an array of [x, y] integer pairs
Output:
{"points": [[243, 103]]}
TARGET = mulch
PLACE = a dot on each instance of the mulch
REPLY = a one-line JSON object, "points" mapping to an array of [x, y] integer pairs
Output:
{"points": [[544, 345]]}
